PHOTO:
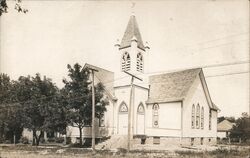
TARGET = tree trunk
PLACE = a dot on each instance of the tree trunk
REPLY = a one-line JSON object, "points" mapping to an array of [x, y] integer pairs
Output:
{"points": [[39, 138], [34, 137], [80, 130]]}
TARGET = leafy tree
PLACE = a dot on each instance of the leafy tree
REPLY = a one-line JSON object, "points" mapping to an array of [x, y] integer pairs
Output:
{"points": [[241, 129], [78, 98], [10, 115], [18, 7], [5, 99], [41, 109], [14, 120], [5, 88]]}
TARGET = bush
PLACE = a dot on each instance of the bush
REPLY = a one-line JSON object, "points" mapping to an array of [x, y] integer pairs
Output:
{"points": [[42, 140], [7, 141], [50, 140], [59, 140], [24, 140], [68, 140]]}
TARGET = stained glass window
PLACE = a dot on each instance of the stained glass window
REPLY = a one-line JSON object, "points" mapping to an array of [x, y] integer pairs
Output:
{"points": [[155, 115]]}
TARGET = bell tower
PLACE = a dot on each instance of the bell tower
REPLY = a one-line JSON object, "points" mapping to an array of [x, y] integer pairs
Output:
{"points": [[132, 51]]}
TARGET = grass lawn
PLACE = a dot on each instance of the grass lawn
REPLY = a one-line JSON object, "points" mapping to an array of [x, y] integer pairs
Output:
{"points": [[27, 151]]}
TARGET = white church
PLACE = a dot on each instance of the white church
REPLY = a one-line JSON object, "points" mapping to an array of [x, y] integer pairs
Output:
{"points": [[166, 108]]}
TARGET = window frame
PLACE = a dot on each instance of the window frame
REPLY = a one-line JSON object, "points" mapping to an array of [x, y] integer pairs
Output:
{"points": [[138, 109], [139, 62], [125, 62], [193, 117], [197, 116], [155, 113], [210, 120], [120, 108], [102, 124], [202, 117]]}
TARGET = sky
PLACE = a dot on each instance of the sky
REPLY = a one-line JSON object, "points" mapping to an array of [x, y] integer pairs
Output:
{"points": [[181, 34]]}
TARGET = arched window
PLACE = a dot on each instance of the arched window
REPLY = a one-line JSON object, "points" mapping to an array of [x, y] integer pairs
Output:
{"points": [[123, 108], [198, 116], [193, 117], [210, 120], [125, 62], [139, 62], [140, 109], [202, 118], [101, 121], [155, 115]]}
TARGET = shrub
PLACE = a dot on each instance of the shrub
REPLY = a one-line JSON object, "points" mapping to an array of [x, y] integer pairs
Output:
{"points": [[50, 140], [7, 141], [42, 140], [24, 140], [68, 140], [59, 140]]}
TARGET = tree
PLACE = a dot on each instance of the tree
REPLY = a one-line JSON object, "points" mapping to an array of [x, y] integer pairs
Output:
{"points": [[41, 109], [241, 129], [18, 7], [5, 89], [10, 114], [77, 94]]}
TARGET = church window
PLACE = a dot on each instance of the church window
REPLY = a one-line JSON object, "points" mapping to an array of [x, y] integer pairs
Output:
{"points": [[210, 120], [202, 118], [140, 109], [192, 141], [155, 115], [198, 116], [123, 108], [139, 62], [193, 116], [101, 121], [125, 62]]}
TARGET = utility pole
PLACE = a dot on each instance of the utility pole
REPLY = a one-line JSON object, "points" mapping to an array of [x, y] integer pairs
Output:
{"points": [[130, 106], [93, 109]]}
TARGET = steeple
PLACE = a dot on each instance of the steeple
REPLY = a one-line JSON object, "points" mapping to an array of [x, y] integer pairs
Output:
{"points": [[132, 32]]}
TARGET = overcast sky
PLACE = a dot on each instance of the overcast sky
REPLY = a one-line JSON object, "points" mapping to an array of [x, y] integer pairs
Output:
{"points": [[181, 34]]}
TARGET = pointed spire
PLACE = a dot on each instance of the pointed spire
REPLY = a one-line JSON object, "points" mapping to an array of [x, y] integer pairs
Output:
{"points": [[132, 31]]}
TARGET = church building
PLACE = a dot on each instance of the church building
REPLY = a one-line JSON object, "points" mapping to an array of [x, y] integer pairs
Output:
{"points": [[173, 107]]}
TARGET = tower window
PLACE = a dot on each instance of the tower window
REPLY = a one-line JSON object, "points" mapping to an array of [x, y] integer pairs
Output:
{"points": [[155, 115], [125, 62], [139, 62]]}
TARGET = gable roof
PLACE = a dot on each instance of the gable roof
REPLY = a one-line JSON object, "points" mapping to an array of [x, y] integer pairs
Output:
{"points": [[106, 78], [171, 86], [132, 31], [174, 86], [225, 125]]}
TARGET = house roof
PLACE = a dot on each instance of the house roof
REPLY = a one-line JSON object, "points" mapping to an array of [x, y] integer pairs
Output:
{"points": [[171, 86], [225, 125], [132, 33], [106, 78]]}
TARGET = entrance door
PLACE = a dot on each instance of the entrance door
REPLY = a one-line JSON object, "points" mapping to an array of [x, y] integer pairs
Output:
{"points": [[140, 120], [123, 119]]}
